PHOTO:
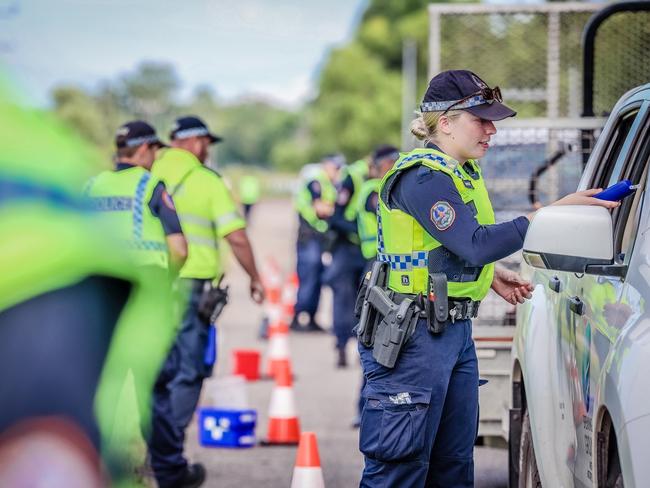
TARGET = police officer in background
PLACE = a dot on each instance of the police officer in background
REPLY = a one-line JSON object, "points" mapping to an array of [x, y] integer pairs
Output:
{"points": [[314, 203], [150, 221], [438, 239], [344, 273], [138, 207], [382, 160], [73, 309], [207, 213]]}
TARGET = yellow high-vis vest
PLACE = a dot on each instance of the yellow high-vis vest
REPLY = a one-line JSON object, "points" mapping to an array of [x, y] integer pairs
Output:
{"points": [[405, 244], [123, 197]]}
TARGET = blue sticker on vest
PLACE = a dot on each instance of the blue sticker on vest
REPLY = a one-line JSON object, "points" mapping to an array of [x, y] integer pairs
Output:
{"points": [[442, 215], [468, 184]]}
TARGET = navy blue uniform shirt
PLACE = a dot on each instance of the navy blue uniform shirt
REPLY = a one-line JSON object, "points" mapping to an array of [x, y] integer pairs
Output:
{"points": [[431, 198], [161, 205]]}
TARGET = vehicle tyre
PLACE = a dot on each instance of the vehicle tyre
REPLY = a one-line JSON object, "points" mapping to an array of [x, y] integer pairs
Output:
{"points": [[528, 473], [615, 477]]}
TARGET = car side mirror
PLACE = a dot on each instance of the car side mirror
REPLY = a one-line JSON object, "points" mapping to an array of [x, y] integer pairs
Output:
{"points": [[574, 238]]}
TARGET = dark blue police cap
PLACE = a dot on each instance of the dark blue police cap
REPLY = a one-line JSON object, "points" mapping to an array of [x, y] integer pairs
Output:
{"points": [[191, 126], [384, 151], [136, 133], [464, 90]]}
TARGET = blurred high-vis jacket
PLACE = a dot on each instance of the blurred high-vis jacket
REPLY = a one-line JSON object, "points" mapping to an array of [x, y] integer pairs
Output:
{"points": [[304, 203], [122, 198], [205, 208], [366, 220]]}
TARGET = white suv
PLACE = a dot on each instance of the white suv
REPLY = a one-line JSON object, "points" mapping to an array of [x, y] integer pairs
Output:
{"points": [[580, 411]]}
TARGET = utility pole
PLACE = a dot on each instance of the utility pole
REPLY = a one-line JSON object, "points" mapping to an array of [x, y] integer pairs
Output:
{"points": [[409, 87]]}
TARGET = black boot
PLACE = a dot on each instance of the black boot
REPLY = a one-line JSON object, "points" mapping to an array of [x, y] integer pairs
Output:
{"points": [[342, 361], [194, 476], [313, 326]]}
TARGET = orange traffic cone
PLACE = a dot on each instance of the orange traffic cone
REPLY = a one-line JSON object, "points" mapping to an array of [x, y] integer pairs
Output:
{"points": [[307, 472], [278, 354], [284, 427], [277, 322], [272, 281], [289, 295]]}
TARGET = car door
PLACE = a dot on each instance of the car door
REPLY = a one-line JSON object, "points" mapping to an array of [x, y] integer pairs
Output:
{"points": [[593, 303]]}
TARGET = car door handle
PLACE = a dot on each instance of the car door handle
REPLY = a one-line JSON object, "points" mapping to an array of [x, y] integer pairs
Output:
{"points": [[555, 284], [576, 305]]}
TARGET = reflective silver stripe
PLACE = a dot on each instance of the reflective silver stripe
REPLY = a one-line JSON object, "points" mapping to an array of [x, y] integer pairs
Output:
{"points": [[141, 140], [184, 134], [202, 241], [226, 219], [196, 220]]}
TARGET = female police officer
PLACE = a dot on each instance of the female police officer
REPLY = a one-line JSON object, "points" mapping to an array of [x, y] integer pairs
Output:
{"points": [[419, 420]]}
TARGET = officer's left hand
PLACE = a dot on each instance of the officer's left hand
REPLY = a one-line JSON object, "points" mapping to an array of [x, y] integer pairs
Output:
{"points": [[511, 287]]}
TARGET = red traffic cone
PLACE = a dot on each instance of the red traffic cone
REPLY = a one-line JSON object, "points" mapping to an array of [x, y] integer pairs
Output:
{"points": [[307, 473], [284, 427]]}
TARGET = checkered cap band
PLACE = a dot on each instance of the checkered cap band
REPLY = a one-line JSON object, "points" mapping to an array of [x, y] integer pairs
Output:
{"points": [[138, 141], [442, 106], [194, 132]]}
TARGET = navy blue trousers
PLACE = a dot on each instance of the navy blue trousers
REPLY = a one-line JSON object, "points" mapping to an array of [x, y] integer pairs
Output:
{"points": [[309, 266], [192, 340], [166, 439], [343, 277], [419, 420], [177, 391]]}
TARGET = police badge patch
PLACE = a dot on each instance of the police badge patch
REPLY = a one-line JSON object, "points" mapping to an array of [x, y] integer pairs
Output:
{"points": [[442, 215]]}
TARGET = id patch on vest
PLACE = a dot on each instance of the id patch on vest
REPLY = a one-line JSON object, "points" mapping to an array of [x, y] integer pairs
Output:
{"points": [[442, 215]]}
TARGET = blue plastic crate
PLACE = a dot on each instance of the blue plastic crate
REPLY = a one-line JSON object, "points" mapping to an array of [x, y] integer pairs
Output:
{"points": [[227, 428]]}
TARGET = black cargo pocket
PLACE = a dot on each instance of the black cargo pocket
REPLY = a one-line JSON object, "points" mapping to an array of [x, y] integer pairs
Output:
{"points": [[393, 421]]}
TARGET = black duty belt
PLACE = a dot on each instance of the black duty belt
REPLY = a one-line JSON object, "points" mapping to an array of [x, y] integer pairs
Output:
{"points": [[458, 309]]}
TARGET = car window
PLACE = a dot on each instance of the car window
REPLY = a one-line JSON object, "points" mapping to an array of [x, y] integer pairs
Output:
{"points": [[611, 165], [631, 226], [627, 216]]}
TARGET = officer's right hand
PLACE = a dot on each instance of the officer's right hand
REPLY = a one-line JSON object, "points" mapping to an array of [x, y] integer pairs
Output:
{"points": [[323, 209], [257, 291], [585, 197]]}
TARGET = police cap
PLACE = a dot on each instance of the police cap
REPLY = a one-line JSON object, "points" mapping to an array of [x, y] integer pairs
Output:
{"points": [[464, 90], [384, 151], [136, 133], [192, 126]]}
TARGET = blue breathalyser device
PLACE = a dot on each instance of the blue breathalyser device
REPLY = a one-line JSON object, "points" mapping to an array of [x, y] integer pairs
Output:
{"points": [[617, 192]]}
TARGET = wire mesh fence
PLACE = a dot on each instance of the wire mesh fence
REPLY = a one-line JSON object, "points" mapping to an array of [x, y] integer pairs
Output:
{"points": [[621, 57], [534, 53]]}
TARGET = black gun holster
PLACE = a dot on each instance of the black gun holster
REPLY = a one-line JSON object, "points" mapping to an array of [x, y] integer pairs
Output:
{"points": [[385, 325], [212, 301]]}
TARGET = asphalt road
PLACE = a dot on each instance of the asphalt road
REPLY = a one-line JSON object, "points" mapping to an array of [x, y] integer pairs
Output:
{"points": [[325, 396]]}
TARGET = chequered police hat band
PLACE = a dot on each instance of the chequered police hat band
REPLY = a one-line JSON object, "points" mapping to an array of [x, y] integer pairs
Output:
{"points": [[442, 106], [194, 132], [141, 140]]}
